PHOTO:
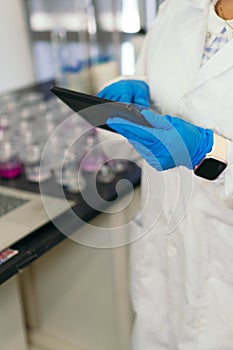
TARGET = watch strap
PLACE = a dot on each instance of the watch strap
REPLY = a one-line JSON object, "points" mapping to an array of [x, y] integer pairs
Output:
{"points": [[219, 149]]}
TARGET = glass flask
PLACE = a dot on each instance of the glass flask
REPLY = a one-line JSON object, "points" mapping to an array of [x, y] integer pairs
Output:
{"points": [[35, 169], [95, 160]]}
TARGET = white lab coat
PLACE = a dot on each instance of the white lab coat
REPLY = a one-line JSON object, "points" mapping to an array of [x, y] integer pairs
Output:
{"points": [[182, 265]]}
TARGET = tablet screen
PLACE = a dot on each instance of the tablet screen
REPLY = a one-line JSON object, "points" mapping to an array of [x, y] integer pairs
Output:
{"points": [[97, 110]]}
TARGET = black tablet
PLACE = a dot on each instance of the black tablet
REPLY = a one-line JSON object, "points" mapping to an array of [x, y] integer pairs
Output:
{"points": [[97, 110]]}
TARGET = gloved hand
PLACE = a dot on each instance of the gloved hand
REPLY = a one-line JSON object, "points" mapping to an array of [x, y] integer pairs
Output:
{"points": [[129, 91], [169, 142]]}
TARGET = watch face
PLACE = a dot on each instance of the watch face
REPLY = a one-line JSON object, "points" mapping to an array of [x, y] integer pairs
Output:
{"points": [[210, 168]]}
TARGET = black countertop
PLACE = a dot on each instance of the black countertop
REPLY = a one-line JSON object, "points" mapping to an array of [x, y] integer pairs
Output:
{"points": [[46, 237]]}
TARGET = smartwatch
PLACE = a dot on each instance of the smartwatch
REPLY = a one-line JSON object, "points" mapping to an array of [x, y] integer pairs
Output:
{"points": [[214, 162]]}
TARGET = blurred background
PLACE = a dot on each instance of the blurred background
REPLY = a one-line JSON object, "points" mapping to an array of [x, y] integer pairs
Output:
{"points": [[74, 297], [76, 44], [61, 39]]}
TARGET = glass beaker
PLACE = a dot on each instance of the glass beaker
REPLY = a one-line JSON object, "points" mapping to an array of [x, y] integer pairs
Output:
{"points": [[10, 165], [95, 160], [35, 169]]}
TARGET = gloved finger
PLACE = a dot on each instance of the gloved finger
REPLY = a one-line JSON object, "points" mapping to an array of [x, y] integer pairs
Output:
{"points": [[125, 97], [155, 140], [127, 134], [118, 96], [141, 95], [110, 94], [117, 92], [132, 135], [141, 132], [156, 120], [141, 101], [146, 154], [142, 147], [105, 92]]}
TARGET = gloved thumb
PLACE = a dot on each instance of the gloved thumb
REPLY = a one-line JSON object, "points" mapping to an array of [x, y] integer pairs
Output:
{"points": [[156, 120]]}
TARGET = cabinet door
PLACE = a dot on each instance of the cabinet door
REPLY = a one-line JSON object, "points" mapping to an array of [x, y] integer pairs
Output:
{"points": [[12, 331], [82, 293]]}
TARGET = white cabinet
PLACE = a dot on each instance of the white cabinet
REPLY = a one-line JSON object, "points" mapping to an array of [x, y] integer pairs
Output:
{"points": [[12, 330], [82, 295]]}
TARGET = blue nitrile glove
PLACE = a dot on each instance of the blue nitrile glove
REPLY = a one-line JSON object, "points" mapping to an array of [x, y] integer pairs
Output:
{"points": [[169, 142], [129, 91]]}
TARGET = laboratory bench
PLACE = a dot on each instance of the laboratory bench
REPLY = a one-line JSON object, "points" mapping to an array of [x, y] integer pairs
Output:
{"points": [[44, 238], [57, 293]]}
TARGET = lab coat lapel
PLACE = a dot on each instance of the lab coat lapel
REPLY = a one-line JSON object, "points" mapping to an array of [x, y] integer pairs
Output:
{"points": [[216, 65], [220, 62], [180, 55]]}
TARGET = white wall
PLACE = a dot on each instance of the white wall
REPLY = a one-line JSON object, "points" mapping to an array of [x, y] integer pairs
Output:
{"points": [[16, 64]]}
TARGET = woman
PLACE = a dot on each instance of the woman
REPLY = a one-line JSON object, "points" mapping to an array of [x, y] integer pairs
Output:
{"points": [[182, 267]]}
